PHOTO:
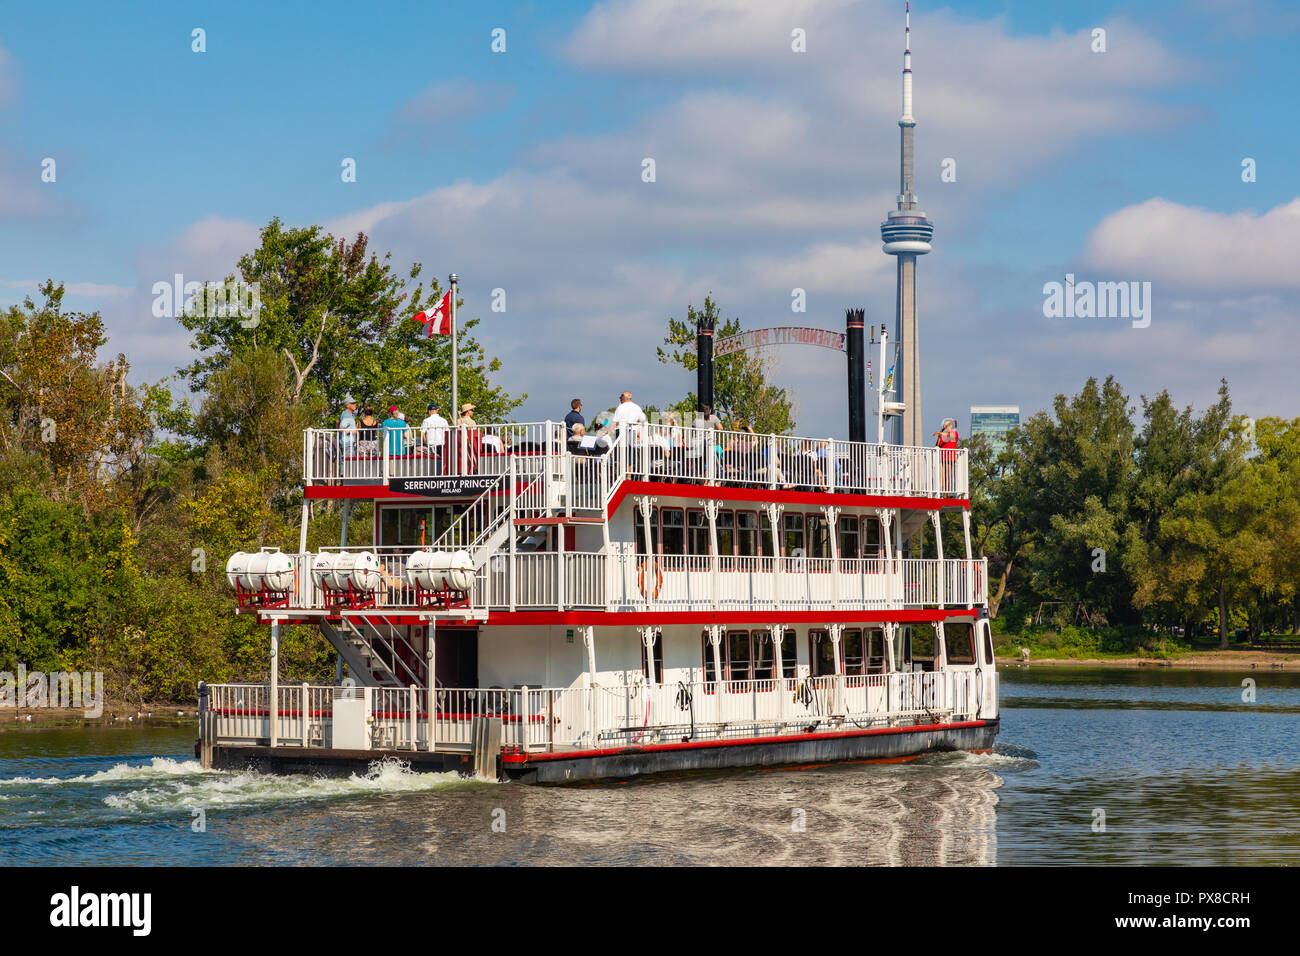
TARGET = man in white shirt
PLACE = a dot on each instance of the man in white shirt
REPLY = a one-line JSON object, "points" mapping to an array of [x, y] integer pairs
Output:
{"points": [[433, 431], [628, 420], [628, 412]]}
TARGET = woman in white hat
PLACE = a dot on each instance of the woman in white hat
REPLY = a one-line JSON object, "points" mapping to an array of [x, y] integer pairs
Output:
{"points": [[468, 438]]}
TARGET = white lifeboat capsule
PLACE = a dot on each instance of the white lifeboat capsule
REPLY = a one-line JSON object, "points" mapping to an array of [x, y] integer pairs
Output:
{"points": [[278, 575], [235, 567], [322, 567], [364, 572]]}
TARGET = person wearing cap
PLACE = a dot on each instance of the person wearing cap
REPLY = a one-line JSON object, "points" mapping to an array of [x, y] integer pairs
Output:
{"points": [[433, 432], [347, 424], [395, 429]]}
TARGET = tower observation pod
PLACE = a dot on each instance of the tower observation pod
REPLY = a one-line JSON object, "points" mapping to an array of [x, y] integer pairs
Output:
{"points": [[906, 233]]}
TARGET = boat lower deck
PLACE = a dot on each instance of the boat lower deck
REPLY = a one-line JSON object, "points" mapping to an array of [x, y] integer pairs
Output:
{"points": [[817, 746]]}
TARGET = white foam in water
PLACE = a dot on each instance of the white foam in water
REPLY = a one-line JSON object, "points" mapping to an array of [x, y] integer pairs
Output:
{"points": [[158, 767], [246, 788]]}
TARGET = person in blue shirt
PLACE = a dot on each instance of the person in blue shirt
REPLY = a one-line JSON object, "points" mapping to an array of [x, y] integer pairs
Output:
{"points": [[395, 431], [574, 417]]}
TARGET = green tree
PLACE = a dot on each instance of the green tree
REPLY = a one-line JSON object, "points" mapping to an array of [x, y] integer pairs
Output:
{"points": [[1066, 491], [341, 317], [67, 422], [742, 393]]}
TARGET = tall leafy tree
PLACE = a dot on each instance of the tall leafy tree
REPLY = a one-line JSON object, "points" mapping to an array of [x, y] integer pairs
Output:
{"points": [[340, 316], [80, 427]]}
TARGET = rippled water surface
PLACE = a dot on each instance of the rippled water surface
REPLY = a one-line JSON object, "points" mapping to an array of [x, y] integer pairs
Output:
{"points": [[1092, 766]]}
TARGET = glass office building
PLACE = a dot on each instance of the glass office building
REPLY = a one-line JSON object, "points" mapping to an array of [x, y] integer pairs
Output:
{"points": [[994, 421]]}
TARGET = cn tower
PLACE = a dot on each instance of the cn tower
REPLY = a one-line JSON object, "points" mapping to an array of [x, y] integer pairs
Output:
{"points": [[906, 234]]}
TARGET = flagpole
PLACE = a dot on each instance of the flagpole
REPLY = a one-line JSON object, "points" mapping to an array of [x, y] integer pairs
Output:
{"points": [[455, 358]]}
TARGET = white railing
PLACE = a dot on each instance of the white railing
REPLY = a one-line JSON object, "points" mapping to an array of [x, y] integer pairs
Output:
{"points": [[625, 713], [659, 452], [713, 456], [682, 582], [378, 454], [689, 583]]}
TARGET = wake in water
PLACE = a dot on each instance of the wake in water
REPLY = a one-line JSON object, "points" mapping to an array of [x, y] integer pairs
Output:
{"points": [[249, 789], [1005, 758], [159, 767], [178, 785]]}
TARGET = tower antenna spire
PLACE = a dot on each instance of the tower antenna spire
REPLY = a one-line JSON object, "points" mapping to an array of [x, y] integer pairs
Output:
{"points": [[907, 233]]}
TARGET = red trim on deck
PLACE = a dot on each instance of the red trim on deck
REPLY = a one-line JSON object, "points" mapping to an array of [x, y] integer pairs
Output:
{"points": [[680, 489], [522, 758], [614, 618], [669, 489]]}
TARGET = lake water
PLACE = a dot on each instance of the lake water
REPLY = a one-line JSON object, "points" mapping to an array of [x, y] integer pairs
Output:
{"points": [[1174, 764]]}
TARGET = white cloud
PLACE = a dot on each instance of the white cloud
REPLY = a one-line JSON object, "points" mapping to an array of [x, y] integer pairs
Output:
{"points": [[1191, 248]]}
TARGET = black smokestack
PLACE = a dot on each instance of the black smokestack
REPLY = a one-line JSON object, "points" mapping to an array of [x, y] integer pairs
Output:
{"points": [[704, 362], [854, 321]]}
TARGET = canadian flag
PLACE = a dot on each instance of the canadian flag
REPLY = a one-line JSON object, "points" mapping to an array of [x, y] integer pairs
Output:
{"points": [[438, 319]]}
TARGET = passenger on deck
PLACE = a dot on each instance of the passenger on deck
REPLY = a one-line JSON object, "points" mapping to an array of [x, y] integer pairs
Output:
{"points": [[395, 429], [468, 439], [433, 432], [574, 417], [628, 412], [347, 424], [947, 440], [368, 432]]}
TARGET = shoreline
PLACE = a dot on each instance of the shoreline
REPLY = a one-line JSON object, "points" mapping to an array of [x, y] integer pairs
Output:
{"points": [[1196, 660], [116, 714]]}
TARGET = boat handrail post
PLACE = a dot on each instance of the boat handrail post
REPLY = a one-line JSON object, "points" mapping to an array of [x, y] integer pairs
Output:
{"points": [[273, 707], [430, 683]]}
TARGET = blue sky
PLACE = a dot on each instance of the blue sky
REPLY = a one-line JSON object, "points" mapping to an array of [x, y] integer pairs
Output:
{"points": [[521, 170]]}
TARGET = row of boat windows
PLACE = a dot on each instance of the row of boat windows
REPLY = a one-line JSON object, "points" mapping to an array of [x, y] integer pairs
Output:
{"points": [[748, 534], [750, 654]]}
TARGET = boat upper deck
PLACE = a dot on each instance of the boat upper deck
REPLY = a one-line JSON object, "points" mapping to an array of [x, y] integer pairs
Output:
{"points": [[460, 460]]}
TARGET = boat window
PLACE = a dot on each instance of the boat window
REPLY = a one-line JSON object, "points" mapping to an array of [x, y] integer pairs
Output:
{"points": [[672, 533], [959, 641], [697, 533], [747, 534], [726, 533], [819, 537], [407, 527], [851, 651], [849, 537], [821, 654], [923, 644], [794, 536], [870, 537], [769, 549], [875, 650], [988, 645], [738, 657], [763, 655]]}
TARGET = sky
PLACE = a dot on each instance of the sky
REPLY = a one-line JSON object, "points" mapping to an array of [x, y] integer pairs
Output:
{"points": [[522, 170]]}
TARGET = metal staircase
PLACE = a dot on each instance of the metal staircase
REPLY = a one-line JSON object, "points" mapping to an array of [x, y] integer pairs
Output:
{"points": [[373, 658]]}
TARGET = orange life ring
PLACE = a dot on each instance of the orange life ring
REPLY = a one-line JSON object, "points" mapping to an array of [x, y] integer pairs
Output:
{"points": [[659, 579]]}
